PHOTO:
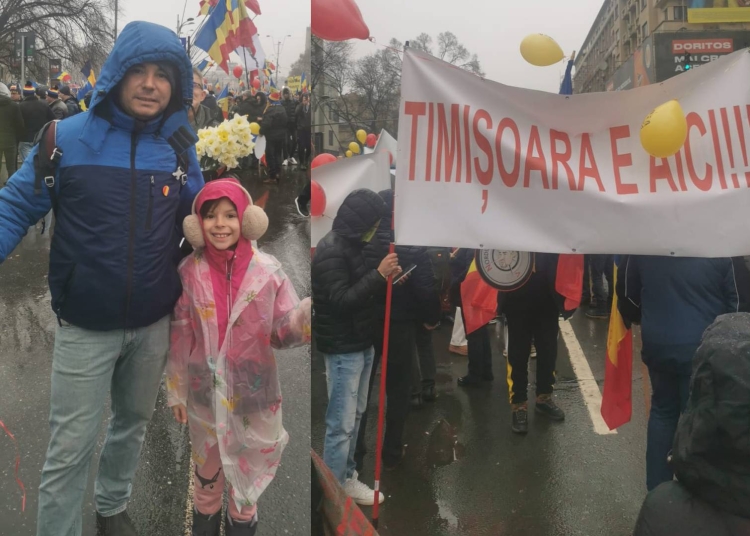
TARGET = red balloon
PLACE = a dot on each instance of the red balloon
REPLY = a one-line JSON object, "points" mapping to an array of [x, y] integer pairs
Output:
{"points": [[256, 83], [321, 160], [237, 71], [317, 199], [338, 20], [371, 140]]}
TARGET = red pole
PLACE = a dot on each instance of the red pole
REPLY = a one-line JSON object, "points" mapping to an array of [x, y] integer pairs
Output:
{"points": [[381, 398], [383, 370]]}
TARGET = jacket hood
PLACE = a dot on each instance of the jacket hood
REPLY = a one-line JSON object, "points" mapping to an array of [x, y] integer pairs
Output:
{"points": [[358, 213], [145, 42], [263, 98], [711, 450], [141, 42]]}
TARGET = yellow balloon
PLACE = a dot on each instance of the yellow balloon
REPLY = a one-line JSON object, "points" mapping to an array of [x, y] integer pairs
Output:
{"points": [[664, 130], [541, 50], [254, 128], [354, 147], [361, 136], [349, 154]]}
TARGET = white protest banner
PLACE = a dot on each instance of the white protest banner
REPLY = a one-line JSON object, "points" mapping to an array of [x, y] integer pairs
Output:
{"points": [[483, 165], [386, 142], [339, 179]]}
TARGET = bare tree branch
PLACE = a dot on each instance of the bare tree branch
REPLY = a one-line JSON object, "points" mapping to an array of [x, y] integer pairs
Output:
{"points": [[74, 31]]}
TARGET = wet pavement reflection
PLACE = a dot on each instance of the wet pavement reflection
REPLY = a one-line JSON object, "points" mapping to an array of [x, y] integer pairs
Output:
{"points": [[160, 490], [465, 473]]}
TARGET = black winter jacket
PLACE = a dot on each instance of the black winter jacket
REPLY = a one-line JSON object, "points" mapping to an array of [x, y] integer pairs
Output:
{"points": [[290, 105], [73, 107], [711, 450], [253, 109], [36, 113], [304, 118], [417, 297], [11, 123], [539, 287], [273, 125], [344, 289]]}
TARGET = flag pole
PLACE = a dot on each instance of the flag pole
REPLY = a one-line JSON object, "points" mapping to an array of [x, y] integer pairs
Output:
{"points": [[383, 375]]}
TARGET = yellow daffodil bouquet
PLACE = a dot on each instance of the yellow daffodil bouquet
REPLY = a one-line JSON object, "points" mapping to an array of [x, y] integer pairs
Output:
{"points": [[225, 145]]}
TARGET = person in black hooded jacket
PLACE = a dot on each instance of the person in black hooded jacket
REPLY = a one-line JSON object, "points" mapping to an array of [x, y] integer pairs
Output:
{"points": [[344, 289], [711, 449], [416, 299], [273, 127]]}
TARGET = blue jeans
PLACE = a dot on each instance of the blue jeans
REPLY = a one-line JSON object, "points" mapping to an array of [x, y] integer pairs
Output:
{"points": [[347, 377], [24, 148], [669, 397], [86, 367]]}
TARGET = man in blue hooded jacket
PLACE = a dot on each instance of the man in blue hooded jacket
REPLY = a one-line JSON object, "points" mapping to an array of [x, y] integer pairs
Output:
{"points": [[126, 179]]}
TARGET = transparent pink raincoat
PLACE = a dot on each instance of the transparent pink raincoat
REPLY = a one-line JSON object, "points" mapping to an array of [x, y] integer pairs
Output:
{"points": [[232, 393]]}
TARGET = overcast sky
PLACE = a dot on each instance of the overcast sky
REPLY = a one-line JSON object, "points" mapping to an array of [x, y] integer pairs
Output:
{"points": [[279, 18], [493, 29]]}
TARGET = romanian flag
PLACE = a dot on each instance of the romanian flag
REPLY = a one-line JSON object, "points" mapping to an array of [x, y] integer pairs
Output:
{"points": [[202, 65], [303, 83], [253, 6], [227, 27], [88, 73], [64, 76], [479, 300], [617, 401], [206, 6]]}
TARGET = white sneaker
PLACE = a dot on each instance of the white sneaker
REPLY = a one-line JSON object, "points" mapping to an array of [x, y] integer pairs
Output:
{"points": [[285, 163], [293, 161], [360, 492]]}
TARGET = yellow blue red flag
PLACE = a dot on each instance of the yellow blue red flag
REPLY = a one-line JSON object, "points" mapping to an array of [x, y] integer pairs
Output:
{"points": [[227, 27]]}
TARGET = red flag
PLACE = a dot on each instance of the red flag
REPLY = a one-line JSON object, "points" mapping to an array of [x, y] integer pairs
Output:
{"points": [[617, 403], [479, 300], [569, 279], [338, 20], [253, 6]]}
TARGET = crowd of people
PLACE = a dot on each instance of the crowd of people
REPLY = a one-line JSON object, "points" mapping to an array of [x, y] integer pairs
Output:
{"points": [[694, 331]]}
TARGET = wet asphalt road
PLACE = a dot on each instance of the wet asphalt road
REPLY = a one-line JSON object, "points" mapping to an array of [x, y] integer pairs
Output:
{"points": [[160, 490], [465, 473]]}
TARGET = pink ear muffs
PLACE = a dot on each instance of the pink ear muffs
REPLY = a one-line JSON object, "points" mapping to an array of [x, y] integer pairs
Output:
{"points": [[254, 222]]}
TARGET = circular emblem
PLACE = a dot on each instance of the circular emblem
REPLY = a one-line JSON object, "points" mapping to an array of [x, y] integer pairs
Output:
{"points": [[505, 270]]}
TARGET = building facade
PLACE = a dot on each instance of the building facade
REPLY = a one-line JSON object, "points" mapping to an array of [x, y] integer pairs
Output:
{"points": [[639, 42]]}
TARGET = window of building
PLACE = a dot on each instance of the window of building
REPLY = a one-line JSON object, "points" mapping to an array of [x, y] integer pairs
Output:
{"points": [[679, 13], [330, 137], [644, 4], [335, 116], [644, 30]]}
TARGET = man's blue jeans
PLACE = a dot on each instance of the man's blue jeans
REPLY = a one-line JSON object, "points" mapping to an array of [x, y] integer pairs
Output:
{"points": [[24, 148], [347, 376], [86, 367], [669, 396]]}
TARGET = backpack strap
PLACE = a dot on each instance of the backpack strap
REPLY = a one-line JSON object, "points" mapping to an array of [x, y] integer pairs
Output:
{"points": [[46, 161]]}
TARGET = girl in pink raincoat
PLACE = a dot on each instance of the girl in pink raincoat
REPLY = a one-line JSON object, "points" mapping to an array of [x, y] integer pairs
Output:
{"points": [[237, 304]]}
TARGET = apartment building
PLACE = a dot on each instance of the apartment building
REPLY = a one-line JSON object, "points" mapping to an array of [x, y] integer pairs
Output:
{"points": [[633, 43]]}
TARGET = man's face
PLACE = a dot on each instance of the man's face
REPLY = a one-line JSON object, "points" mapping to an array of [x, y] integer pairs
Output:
{"points": [[50, 100], [15, 95], [198, 94], [305, 100], [145, 91]]}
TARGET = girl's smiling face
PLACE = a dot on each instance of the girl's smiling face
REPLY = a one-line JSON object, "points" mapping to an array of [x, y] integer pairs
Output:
{"points": [[221, 224]]}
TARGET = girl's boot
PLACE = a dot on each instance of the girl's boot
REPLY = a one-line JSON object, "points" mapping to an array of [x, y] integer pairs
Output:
{"points": [[237, 528], [204, 525]]}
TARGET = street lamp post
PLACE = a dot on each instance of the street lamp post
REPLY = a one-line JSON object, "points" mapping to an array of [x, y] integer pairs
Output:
{"points": [[279, 46]]}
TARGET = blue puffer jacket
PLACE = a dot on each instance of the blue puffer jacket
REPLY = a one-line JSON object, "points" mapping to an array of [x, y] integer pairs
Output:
{"points": [[114, 255], [676, 299]]}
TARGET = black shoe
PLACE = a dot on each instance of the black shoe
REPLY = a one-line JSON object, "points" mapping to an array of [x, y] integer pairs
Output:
{"points": [[116, 525], [520, 420], [548, 408], [204, 525], [488, 377], [416, 401], [235, 528], [429, 394], [468, 381]]}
